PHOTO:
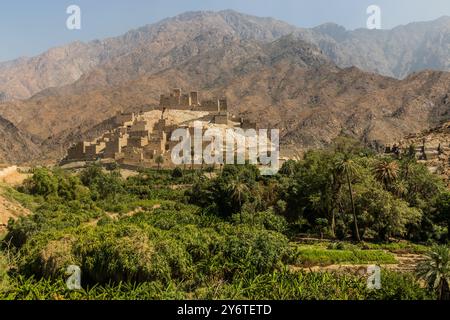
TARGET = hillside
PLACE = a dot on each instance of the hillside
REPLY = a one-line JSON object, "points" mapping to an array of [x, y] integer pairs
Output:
{"points": [[269, 74], [15, 145], [431, 147], [396, 53], [287, 84], [144, 50], [172, 41]]}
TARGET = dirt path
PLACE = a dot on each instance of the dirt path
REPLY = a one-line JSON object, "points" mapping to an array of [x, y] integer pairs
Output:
{"points": [[407, 262]]}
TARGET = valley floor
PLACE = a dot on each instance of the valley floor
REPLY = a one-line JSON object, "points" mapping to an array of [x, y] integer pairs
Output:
{"points": [[139, 235]]}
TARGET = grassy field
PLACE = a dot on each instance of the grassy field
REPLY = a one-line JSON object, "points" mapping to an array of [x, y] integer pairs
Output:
{"points": [[308, 255]]}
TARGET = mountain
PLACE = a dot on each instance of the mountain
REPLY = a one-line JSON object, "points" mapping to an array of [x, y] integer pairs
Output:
{"points": [[81, 106], [272, 73], [145, 50], [15, 145], [396, 53], [287, 84]]}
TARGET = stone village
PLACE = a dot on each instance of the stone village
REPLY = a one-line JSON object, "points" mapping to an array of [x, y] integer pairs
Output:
{"points": [[144, 139]]}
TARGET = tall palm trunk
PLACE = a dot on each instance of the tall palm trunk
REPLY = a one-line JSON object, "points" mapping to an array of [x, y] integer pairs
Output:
{"points": [[444, 290], [350, 190], [333, 223], [240, 207]]}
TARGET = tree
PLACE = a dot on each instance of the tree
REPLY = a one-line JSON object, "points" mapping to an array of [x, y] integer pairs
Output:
{"points": [[91, 174], [288, 168], [102, 185], [443, 210], [386, 172], [43, 183], [435, 270], [177, 173], [238, 189], [159, 161], [383, 214], [349, 169], [321, 225]]}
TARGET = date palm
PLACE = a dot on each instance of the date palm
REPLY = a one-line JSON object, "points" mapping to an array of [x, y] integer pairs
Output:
{"points": [[435, 270], [386, 172], [238, 188], [348, 169]]}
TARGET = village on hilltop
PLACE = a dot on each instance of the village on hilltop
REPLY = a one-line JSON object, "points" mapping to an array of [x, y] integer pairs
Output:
{"points": [[143, 139]]}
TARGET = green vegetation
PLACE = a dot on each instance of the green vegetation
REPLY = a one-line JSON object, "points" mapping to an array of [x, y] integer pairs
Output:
{"points": [[4, 281], [229, 234], [279, 285], [435, 270], [312, 255]]}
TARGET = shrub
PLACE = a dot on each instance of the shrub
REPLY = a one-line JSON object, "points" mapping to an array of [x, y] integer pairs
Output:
{"points": [[43, 183], [400, 286], [177, 173], [132, 254], [265, 219], [246, 248]]}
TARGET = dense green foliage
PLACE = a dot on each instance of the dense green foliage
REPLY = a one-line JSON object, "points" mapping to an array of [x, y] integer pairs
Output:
{"points": [[279, 285], [191, 234], [435, 270]]}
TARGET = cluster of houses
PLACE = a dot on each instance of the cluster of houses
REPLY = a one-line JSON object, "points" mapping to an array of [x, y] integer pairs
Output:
{"points": [[143, 139]]}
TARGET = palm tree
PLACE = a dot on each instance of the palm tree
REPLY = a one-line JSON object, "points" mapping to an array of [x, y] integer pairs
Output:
{"points": [[349, 169], [386, 172], [288, 168], [435, 270], [159, 160], [238, 189], [192, 158]]}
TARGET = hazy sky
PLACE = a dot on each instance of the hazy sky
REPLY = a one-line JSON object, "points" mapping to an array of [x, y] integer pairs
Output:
{"points": [[29, 27]]}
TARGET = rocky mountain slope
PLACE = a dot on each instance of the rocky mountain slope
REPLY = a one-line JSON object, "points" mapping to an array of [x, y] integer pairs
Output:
{"points": [[397, 52], [271, 72], [287, 84], [144, 50], [15, 145], [430, 147]]}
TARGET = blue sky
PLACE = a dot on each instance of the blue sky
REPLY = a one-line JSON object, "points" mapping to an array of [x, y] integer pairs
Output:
{"points": [[29, 27]]}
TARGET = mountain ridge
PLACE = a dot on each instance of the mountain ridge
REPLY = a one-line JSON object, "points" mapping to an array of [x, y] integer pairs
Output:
{"points": [[394, 52], [284, 82]]}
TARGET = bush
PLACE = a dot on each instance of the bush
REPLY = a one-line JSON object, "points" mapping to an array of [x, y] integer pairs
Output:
{"points": [[267, 220], [132, 254], [177, 173], [400, 286], [247, 248], [43, 183]]}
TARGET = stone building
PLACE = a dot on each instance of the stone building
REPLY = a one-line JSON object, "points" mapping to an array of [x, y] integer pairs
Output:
{"points": [[139, 138]]}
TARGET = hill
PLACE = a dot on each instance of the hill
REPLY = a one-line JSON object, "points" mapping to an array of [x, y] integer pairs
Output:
{"points": [[172, 41]]}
